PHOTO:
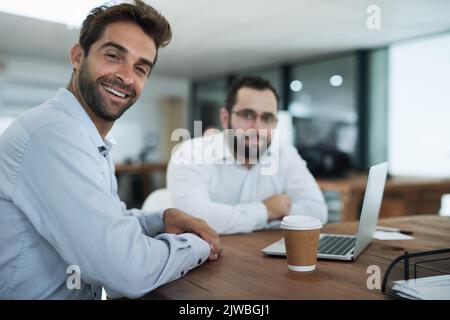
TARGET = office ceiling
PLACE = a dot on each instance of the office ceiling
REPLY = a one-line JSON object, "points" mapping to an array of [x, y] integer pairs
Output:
{"points": [[211, 37]]}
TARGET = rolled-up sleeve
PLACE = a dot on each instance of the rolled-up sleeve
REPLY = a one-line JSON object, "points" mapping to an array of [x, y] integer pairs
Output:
{"points": [[61, 191], [151, 223]]}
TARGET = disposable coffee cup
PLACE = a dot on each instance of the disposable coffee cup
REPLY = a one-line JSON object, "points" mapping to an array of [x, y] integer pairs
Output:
{"points": [[301, 238]]}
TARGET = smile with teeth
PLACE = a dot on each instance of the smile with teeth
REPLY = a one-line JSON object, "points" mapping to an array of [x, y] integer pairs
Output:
{"points": [[115, 92]]}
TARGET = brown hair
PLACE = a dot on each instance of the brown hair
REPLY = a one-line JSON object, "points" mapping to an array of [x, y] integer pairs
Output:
{"points": [[252, 82], [145, 16]]}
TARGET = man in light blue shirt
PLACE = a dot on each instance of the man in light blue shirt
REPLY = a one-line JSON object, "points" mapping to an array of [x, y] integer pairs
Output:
{"points": [[64, 233]]}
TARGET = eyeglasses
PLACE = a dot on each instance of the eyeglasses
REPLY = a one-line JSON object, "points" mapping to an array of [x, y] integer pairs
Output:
{"points": [[267, 118]]}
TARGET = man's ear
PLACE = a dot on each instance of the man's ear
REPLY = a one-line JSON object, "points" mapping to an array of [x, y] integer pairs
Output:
{"points": [[224, 118], [76, 56]]}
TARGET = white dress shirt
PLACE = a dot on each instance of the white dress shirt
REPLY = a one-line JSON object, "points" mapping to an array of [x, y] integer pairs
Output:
{"points": [[204, 180], [59, 208]]}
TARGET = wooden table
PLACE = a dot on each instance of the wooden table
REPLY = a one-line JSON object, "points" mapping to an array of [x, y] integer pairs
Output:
{"points": [[243, 272], [402, 195]]}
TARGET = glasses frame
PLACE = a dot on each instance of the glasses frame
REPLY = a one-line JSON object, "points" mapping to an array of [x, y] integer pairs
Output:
{"points": [[256, 116]]}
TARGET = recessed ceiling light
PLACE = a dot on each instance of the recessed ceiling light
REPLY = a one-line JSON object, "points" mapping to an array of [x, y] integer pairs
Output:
{"points": [[336, 80], [296, 85]]}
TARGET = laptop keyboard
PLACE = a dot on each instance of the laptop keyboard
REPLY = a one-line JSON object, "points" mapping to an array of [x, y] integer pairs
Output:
{"points": [[335, 245]]}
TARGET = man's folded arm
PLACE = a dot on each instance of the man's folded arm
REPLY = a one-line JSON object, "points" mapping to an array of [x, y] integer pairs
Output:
{"points": [[61, 191], [188, 186]]}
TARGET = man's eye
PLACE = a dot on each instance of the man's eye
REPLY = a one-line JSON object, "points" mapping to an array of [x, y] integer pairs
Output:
{"points": [[141, 71], [112, 56], [268, 118], [247, 114]]}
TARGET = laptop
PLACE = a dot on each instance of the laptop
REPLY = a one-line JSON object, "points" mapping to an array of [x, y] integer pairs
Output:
{"points": [[349, 247]]}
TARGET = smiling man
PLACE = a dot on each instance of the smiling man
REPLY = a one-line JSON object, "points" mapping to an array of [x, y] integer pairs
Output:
{"points": [[59, 208]]}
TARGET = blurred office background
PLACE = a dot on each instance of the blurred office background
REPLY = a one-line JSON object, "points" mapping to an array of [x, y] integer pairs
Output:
{"points": [[360, 82]]}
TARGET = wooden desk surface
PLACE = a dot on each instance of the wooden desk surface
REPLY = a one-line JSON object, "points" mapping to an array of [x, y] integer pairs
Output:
{"points": [[243, 272]]}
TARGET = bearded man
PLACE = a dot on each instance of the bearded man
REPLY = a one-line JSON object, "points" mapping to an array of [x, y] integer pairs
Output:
{"points": [[240, 180]]}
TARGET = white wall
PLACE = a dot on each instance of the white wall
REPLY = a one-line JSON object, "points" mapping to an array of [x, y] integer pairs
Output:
{"points": [[419, 107], [27, 82]]}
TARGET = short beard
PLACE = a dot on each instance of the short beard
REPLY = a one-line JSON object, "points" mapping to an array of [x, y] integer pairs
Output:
{"points": [[251, 155], [89, 90]]}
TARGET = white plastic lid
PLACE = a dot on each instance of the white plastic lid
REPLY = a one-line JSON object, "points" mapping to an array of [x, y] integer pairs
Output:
{"points": [[298, 222]]}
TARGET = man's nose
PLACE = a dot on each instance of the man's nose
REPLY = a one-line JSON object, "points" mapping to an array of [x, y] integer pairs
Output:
{"points": [[258, 123], [125, 74]]}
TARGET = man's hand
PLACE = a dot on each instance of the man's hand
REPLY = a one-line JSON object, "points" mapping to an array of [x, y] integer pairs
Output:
{"points": [[177, 222], [277, 206]]}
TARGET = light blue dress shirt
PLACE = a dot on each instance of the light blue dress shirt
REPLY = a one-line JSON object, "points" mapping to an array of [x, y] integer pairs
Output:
{"points": [[59, 208]]}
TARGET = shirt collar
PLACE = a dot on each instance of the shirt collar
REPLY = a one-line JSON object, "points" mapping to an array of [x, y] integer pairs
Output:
{"points": [[76, 111]]}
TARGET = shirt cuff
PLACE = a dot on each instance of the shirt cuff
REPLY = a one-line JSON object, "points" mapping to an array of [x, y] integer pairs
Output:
{"points": [[201, 248]]}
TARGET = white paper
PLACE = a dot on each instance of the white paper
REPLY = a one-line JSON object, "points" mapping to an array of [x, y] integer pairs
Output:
{"points": [[385, 235], [429, 288]]}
